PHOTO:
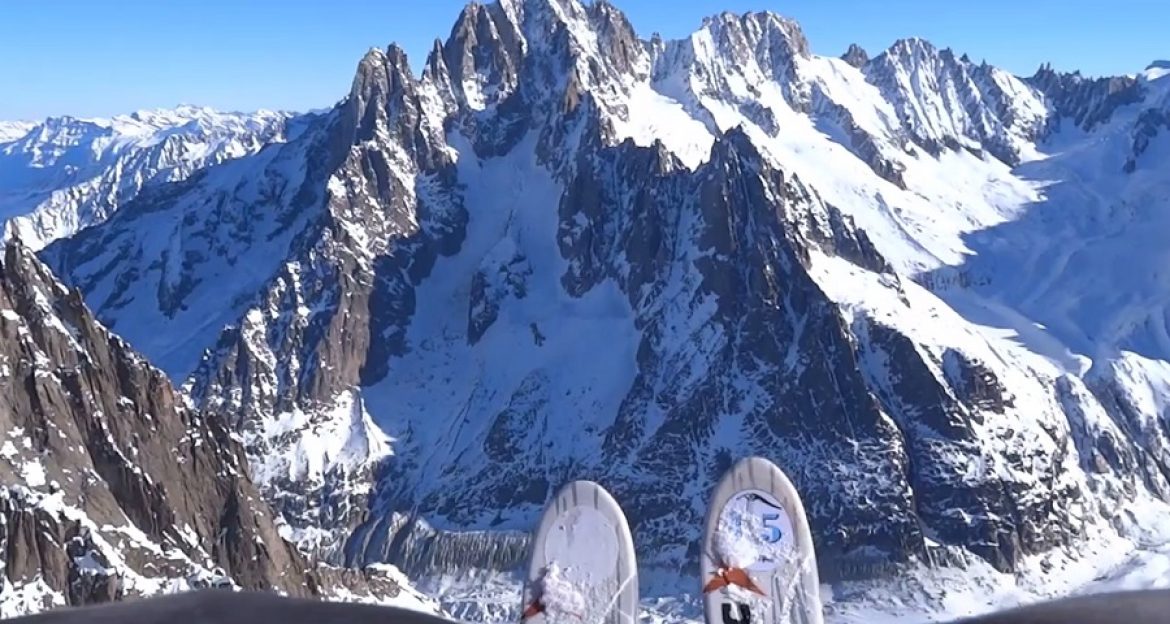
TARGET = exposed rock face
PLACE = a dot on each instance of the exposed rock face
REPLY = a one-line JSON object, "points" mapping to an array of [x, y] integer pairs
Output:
{"points": [[1087, 102], [865, 145], [1135, 442], [480, 60], [1145, 130], [730, 49], [943, 437], [744, 231], [343, 299], [948, 102], [856, 56], [454, 292], [100, 450], [110, 484]]}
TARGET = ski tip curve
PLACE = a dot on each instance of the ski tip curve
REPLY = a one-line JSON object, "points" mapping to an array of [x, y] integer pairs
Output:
{"points": [[582, 565], [757, 558]]}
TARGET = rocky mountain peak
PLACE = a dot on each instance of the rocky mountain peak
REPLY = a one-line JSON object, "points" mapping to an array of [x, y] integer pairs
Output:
{"points": [[730, 49], [945, 102], [916, 55], [61, 128], [382, 82], [594, 48], [772, 36], [855, 56], [617, 40], [912, 49], [481, 56], [387, 104], [1086, 102], [527, 56]]}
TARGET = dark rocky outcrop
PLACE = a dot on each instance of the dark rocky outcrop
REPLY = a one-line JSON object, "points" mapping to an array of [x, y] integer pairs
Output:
{"points": [[856, 56], [97, 442], [1086, 102], [1145, 129], [110, 484]]}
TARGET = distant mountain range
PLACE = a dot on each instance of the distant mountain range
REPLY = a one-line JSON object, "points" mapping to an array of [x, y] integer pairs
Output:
{"points": [[64, 174], [930, 290]]}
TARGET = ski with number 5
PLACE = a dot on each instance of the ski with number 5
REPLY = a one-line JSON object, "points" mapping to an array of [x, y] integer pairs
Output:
{"points": [[758, 562]]}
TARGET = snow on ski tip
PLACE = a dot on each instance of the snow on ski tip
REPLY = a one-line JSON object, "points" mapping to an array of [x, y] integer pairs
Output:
{"points": [[758, 562], [582, 566]]}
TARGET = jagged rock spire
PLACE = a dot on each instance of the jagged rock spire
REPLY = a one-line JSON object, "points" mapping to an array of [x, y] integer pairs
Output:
{"points": [[856, 56]]}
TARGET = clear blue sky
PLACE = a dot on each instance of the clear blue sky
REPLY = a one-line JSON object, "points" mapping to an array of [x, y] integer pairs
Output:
{"points": [[102, 57]]}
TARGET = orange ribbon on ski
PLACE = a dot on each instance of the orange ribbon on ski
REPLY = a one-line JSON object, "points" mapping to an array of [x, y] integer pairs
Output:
{"points": [[532, 609], [732, 576]]}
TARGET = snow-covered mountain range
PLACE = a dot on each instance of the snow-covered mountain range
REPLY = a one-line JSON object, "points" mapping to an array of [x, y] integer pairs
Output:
{"points": [[64, 174], [928, 289]]}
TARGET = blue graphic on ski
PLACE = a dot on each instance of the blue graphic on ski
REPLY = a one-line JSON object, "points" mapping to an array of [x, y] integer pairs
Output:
{"points": [[758, 562]]}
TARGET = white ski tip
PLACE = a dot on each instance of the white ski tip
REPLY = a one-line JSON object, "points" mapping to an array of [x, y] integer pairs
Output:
{"points": [[758, 562], [582, 566]]}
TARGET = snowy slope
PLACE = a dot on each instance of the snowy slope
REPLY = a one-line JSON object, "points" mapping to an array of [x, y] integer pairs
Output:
{"points": [[63, 174], [565, 252], [12, 130], [1075, 249]]}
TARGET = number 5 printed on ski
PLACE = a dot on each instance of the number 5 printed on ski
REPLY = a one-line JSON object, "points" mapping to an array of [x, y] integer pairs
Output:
{"points": [[774, 534]]}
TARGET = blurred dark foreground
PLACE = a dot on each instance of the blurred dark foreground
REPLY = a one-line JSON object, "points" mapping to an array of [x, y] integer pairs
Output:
{"points": [[226, 607]]}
